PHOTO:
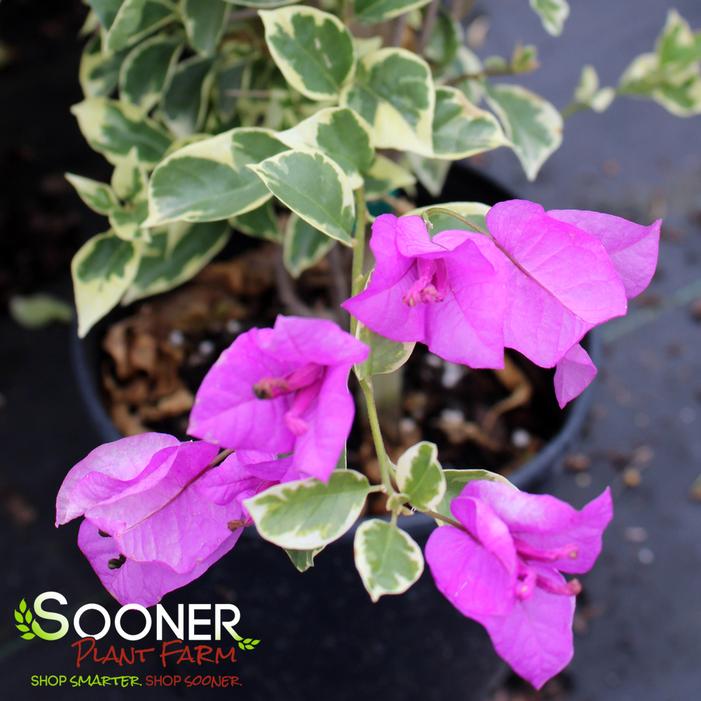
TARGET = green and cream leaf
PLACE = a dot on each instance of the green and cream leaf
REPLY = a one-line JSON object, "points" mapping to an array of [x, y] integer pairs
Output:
{"points": [[308, 514], [387, 558], [385, 176], [312, 49], [135, 20], [532, 125], [146, 70], [174, 255], [386, 355], [261, 223], [113, 128], [209, 180], [553, 14], [376, 11], [304, 246], [184, 103], [314, 187], [341, 134], [204, 23], [96, 195], [102, 270], [393, 92], [420, 475]]}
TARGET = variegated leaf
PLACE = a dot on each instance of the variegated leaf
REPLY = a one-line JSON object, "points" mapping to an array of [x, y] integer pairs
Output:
{"points": [[308, 514], [375, 11], [553, 14], [393, 92], [137, 19], [184, 104], [204, 23], [209, 179], [387, 558], [102, 270], [314, 187], [96, 195], [420, 475], [312, 49], [304, 246]]}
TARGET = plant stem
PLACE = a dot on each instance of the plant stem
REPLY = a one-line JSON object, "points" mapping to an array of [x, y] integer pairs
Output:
{"points": [[376, 431], [445, 519], [358, 250]]}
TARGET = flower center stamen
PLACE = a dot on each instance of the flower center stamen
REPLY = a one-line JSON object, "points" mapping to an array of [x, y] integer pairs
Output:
{"points": [[431, 285], [304, 383]]}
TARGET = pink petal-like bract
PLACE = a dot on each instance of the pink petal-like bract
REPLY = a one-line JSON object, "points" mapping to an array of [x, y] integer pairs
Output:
{"points": [[444, 291], [504, 569], [562, 282], [282, 390], [633, 248], [154, 518], [574, 372]]}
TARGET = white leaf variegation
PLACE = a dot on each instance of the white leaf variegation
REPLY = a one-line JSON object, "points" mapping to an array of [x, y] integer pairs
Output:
{"points": [[102, 270], [375, 11], [314, 187], [209, 180], [304, 246], [341, 134], [174, 255], [312, 49], [553, 14], [384, 176], [420, 475], [532, 125], [308, 514], [114, 128], [393, 92], [387, 558], [96, 195]]}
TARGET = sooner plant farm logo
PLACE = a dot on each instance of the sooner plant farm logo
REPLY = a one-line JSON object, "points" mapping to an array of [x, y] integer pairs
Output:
{"points": [[185, 637]]}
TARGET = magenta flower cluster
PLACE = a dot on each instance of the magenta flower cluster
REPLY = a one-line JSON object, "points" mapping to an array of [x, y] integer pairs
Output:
{"points": [[537, 282], [158, 512]]}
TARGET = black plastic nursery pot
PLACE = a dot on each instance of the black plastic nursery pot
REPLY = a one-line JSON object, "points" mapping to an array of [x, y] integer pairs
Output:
{"points": [[322, 637]]}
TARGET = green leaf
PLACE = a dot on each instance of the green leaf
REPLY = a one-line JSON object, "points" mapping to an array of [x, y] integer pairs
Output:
{"points": [[98, 196], [385, 355], [135, 20], [184, 104], [465, 63], [388, 559], [553, 14], [304, 245], [102, 270], [385, 176], [204, 23], [129, 179], [146, 69], [105, 10], [375, 11], [313, 187], [113, 128], [260, 3], [209, 179], [21, 627], [39, 310], [308, 514], [588, 94], [430, 172], [99, 71], [127, 221], [460, 129], [312, 49], [420, 475], [174, 255], [672, 75], [28, 636], [303, 559], [455, 481], [532, 124], [445, 40], [19, 617], [393, 92], [22, 605], [438, 217], [341, 134], [260, 223]]}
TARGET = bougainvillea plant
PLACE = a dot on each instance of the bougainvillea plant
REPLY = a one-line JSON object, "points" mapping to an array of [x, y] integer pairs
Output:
{"points": [[285, 122]]}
